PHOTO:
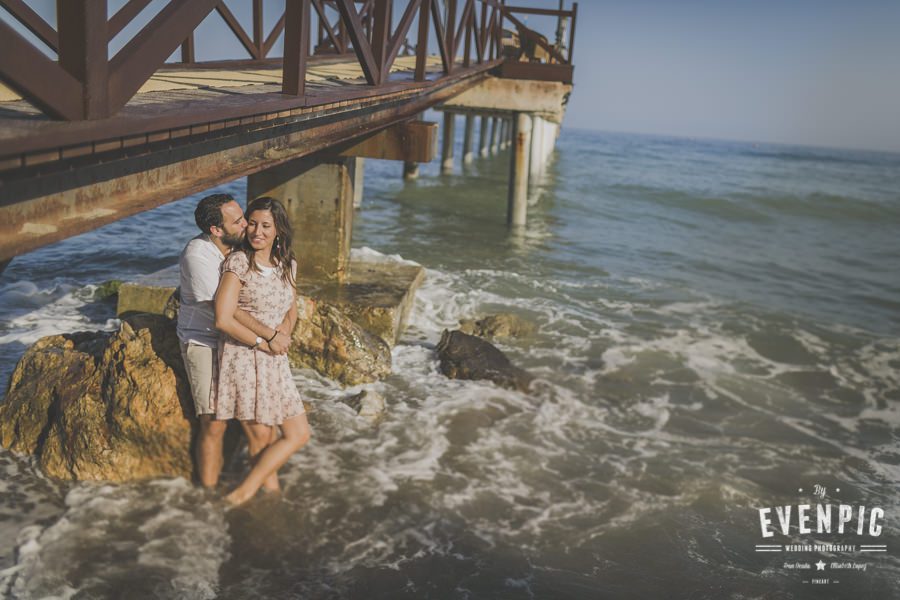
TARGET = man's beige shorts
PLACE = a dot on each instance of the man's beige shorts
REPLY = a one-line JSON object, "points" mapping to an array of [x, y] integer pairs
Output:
{"points": [[199, 362]]}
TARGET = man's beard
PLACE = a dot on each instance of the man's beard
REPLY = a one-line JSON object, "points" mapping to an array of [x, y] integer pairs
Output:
{"points": [[233, 240]]}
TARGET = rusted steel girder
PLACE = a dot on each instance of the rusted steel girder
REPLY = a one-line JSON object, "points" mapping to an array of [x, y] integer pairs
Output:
{"points": [[130, 185]]}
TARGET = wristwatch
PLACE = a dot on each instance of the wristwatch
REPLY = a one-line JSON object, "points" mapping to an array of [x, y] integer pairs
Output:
{"points": [[259, 341]]}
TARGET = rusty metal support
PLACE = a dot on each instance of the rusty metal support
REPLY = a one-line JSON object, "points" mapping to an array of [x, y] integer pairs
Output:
{"points": [[296, 47], [83, 39], [517, 205]]}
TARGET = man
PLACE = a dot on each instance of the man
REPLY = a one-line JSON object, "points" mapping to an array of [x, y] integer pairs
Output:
{"points": [[222, 224]]}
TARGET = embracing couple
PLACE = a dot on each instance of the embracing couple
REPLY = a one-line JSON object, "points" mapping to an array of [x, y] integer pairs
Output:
{"points": [[238, 309]]}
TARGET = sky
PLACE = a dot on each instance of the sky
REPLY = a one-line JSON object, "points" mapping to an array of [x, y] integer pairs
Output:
{"points": [[810, 72]]}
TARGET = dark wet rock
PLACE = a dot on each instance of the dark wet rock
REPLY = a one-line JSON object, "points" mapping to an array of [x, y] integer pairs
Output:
{"points": [[499, 325], [101, 406], [368, 404], [328, 342], [465, 356]]}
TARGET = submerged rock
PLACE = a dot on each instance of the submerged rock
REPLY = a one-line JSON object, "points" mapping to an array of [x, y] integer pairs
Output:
{"points": [[368, 404], [330, 343], [465, 356], [101, 406], [499, 325]]}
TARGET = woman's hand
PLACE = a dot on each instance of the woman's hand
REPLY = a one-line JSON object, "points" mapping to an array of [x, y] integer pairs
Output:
{"points": [[280, 343]]}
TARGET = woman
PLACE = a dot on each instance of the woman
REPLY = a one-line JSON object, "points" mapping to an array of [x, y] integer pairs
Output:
{"points": [[255, 384]]}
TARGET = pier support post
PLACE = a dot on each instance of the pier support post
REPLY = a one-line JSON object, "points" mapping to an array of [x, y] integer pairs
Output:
{"points": [[495, 135], [469, 134], [517, 205], [410, 170], [318, 197], [447, 143], [358, 170], [536, 169], [483, 137]]}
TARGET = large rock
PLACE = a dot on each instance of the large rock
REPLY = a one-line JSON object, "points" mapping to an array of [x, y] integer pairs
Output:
{"points": [[465, 356], [333, 345], [100, 406], [499, 325]]}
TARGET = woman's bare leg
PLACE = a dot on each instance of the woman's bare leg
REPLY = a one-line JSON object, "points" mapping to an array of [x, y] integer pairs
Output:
{"points": [[295, 435], [259, 437]]}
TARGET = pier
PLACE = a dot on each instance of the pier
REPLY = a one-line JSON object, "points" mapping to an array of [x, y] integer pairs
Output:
{"points": [[88, 137]]}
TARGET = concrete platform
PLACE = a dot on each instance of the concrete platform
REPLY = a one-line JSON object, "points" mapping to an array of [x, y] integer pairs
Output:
{"points": [[378, 295], [150, 294]]}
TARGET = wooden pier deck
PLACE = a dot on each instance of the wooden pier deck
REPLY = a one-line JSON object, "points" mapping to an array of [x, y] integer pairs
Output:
{"points": [[86, 140]]}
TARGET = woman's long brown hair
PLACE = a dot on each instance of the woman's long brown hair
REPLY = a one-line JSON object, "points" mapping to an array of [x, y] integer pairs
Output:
{"points": [[282, 253]]}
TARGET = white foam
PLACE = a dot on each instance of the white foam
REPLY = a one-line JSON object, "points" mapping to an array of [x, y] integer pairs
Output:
{"points": [[184, 536], [58, 316]]}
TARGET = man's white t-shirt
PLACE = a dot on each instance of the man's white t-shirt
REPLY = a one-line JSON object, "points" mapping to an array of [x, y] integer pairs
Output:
{"points": [[199, 263]]}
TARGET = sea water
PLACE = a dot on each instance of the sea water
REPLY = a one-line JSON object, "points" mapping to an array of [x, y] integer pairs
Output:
{"points": [[717, 331]]}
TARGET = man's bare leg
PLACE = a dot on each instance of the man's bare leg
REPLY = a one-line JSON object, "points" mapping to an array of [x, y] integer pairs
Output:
{"points": [[209, 450]]}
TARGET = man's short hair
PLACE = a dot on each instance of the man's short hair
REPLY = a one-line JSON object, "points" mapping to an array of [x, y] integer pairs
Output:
{"points": [[209, 211]]}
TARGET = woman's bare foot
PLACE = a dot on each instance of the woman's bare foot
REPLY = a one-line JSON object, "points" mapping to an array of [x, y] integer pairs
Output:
{"points": [[237, 498]]}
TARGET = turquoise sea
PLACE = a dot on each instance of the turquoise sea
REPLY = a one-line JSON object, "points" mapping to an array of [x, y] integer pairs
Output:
{"points": [[718, 328]]}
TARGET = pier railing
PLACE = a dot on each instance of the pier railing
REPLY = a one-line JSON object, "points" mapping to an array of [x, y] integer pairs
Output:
{"points": [[84, 82]]}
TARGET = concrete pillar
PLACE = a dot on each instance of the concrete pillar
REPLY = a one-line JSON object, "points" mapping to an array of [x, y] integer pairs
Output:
{"points": [[502, 134], [410, 170], [517, 205], [358, 171], [495, 135], [468, 136], [483, 137], [447, 145], [536, 168], [318, 197]]}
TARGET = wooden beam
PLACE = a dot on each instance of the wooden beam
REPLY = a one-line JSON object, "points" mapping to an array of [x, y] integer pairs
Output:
{"points": [[361, 45], [422, 42], [125, 15], [83, 40], [380, 33], [400, 34], [149, 49], [413, 141], [273, 36], [33, 22], [36, 78], [323, 23], [296, 47], [237, 30], [439, 33]]}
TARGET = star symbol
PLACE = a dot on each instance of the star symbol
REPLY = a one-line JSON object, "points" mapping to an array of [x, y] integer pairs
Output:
{"points": [[820, 566]]}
